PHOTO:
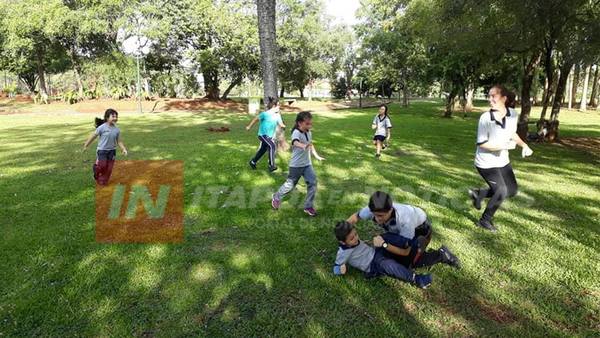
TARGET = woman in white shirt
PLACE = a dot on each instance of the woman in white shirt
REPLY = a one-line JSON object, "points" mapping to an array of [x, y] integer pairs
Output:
{"points": [[496, 135]]}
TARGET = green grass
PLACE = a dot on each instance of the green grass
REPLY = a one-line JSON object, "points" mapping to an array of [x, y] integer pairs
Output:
{"points": [[254, 272]]}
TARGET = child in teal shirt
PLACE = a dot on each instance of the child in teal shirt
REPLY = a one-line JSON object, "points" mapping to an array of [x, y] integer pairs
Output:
{"points": [[268, 122]]}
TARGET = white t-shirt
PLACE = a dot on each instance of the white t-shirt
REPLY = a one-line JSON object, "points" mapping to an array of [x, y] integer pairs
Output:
{"points": [[382, 125], [496, 132], [404, 220]]}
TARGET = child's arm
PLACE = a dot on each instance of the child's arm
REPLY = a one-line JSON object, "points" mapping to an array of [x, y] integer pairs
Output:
{"points": [[363, 213], [373, 126], [122, 146], [396, 250], [340, 261], [300, 145], [353, 219], [252, 123], [280, 123], [389, 134], [89, 140], [314, 152]]}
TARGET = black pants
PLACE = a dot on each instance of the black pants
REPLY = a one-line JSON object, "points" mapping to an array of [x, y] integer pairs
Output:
{"points": [[502, 185], [266, 144], [415, 259]]}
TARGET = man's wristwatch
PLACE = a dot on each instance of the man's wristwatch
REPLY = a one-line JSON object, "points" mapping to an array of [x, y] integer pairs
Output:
{"points": [[384, 245]]}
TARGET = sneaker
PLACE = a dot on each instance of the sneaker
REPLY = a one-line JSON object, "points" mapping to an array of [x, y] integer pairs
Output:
{"points": [[275, 202], [310, 212], [474, 194], [383, 146], [423, 281], [449, 258], [486, 225], [252, 165], [273, 168]]}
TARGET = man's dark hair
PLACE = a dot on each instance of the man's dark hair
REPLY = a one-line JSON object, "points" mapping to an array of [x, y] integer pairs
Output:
{"points": [[342, 229], [380, 201]]}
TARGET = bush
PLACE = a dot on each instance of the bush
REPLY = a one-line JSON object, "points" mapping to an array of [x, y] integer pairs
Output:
{"points": [[71, 97]]}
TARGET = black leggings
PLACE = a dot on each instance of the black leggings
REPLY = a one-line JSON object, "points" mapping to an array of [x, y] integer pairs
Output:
{"points": [[502, 185], [266, 144]]}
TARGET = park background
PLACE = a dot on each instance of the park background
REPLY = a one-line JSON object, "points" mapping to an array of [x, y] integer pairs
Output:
{"points": [[178, 70]]}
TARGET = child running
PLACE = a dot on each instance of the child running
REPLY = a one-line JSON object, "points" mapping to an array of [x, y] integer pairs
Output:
{"points": [[382, 124], [106, 152], [268, 122], [301, 164], [373, 262], [496, 135]]}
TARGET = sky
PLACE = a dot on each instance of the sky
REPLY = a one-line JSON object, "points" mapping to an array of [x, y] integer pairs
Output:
{"points": [[343, 10]]}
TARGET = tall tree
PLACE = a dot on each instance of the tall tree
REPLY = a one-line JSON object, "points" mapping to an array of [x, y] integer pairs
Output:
{"points": [[268, 46]]}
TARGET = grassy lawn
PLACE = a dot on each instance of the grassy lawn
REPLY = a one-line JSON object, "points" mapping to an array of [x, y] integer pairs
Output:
{"points": [[246, 270]]}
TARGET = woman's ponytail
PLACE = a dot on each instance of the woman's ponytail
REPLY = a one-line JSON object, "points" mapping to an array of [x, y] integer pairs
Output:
{"points": [[510, 96]]}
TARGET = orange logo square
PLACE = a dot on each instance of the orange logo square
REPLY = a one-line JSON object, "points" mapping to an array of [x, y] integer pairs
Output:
{"points": [[143, 203]]}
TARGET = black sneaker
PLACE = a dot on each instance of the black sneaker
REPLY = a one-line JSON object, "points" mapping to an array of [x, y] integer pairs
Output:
{"points": [[252, 165], [449, 258], [423, 281], [486, 225], [474, 194], [272, 168]]}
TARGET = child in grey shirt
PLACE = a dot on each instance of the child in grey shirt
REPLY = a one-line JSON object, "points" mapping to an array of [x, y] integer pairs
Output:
{"points": [[301, 164]]}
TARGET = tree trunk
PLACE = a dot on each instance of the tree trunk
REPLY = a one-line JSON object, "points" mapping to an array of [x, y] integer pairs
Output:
{"points": [[583, 104], [211, 83], [282, 92], [405, 95], [575, 82], [233, 84], [570, 91], [550, 92], [268, 45], [77, 70], [41, 75], [469, 103], [29, 80], [450, 101], [593, 101], [560, 92], [301, 90], [527, 81]]}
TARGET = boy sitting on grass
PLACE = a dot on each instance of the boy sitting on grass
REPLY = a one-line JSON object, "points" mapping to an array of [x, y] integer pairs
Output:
{"points": [[411, 225], [373, 262]]}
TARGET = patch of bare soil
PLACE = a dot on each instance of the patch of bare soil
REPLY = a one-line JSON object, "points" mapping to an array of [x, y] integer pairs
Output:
{"points": [[587, 144]]}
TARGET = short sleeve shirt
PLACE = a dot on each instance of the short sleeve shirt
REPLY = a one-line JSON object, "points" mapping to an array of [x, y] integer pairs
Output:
{"points": [[268, 123], [359, 256], [496, 132], [382, 125], [300, 157], [108, 136], [405, 219]]}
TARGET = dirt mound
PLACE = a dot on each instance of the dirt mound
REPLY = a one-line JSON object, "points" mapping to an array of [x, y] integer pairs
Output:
{"points": [[588, 144], [196, 105]]}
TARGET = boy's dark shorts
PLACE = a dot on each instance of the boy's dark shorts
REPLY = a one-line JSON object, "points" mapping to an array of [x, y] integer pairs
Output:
{"points": [[379, 138], [106, 155]]}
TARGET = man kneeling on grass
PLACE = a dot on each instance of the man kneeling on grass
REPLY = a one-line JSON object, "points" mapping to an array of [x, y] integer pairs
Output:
{"points": [[373, 262], [412, 228]]}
